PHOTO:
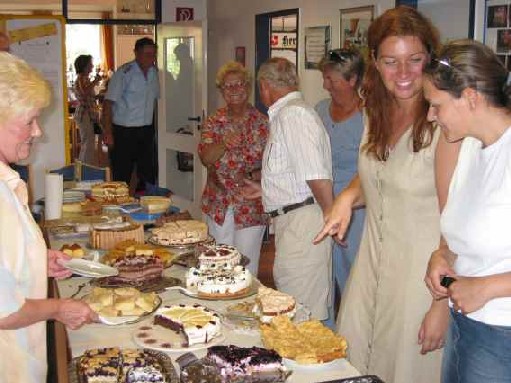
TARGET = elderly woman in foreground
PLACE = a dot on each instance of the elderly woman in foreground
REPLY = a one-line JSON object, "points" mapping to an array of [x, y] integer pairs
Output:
{"points": [[231, 147], [25, 262]]}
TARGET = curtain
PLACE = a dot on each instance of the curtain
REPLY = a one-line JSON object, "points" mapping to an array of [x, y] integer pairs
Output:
{"points": [[107, 46]]}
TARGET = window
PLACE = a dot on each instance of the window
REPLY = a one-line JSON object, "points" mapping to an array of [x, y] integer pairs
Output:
{"points": [[82, 39]]}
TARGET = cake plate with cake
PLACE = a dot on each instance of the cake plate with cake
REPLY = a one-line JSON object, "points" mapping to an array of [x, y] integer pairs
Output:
{"points": [[180, 328]]}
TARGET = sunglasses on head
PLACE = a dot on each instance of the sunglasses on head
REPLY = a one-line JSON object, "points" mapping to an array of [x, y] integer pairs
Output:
{"points": [[339, 55], [443, 62]]}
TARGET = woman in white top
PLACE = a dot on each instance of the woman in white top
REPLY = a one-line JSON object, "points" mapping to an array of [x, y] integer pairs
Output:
{"points": [[469, 93]]}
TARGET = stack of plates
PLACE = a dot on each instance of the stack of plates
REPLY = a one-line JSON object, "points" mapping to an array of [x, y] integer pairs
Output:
{"points": [[71, 196]]}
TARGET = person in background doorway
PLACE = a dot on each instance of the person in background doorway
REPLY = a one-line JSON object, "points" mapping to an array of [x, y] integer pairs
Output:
{"points": [[231, 147], [393, 327], [469, 91], [25, 262], [86, 112], [296, 187], [4, 43], [128, 116], [343, 70]]}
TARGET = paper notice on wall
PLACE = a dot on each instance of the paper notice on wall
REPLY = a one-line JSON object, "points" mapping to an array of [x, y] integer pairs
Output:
{"points": [[31, 33]]}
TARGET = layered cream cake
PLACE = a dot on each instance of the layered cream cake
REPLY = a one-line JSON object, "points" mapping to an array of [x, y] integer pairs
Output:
{"points": [[270, 303], [217, 256], [219, 282], [136, 270], [197, 323], [180, 232], [114, 192]]}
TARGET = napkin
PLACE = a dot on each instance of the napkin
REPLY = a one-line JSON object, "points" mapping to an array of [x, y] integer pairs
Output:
{"points": [[53, 191]]}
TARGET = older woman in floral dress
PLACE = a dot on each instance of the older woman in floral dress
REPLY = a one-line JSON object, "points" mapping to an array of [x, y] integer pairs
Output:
{"points": [[231, 147]]}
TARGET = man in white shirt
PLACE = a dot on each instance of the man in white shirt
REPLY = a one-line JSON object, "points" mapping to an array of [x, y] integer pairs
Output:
{"points": [[296, 180]]}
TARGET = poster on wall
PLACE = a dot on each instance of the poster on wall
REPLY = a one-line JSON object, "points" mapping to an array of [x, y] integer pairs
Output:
{"points": [[497, 29], [354, 26], [317, 44]]}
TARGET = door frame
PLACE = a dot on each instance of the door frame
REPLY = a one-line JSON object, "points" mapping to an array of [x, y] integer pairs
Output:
{"points": [[188, 143], [262, 43]]}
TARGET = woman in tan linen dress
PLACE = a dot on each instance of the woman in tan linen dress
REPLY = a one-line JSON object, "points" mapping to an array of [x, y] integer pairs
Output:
{"points": [[386, 314]]}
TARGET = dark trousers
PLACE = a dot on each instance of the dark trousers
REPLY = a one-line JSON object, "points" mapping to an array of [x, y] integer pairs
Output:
{"points": [[133, 146]]}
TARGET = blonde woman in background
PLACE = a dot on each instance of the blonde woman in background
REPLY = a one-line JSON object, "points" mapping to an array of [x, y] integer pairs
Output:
{"points": [[25, 262], [231, 147]]}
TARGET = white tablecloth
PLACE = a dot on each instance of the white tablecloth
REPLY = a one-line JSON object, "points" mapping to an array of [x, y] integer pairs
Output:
{"points": [[99, 335]]}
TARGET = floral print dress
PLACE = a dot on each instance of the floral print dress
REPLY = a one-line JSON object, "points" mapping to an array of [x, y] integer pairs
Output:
{"points": [[226, 174]]}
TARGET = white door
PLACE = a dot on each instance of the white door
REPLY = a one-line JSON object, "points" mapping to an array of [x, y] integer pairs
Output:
{"points": [[181, 108]]}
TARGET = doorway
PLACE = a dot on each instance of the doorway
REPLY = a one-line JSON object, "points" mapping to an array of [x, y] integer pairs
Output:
{"points": [[181, 109]]}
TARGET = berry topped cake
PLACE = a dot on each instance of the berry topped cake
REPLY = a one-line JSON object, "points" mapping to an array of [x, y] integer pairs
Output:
{"points": [[107, 365]]}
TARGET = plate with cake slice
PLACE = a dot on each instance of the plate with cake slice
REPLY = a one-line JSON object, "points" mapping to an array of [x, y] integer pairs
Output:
{"points": [[180, 328], [123, 305]]}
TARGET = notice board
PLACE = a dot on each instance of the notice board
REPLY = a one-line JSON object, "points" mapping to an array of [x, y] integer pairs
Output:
{"points": [[39, 40]]}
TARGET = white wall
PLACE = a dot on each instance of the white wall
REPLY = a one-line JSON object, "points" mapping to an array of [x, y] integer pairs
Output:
{"points": [[450, 17], [231, 23]]}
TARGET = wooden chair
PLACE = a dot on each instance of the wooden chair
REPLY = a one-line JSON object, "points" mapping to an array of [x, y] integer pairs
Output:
{"points": [[86, 172]]}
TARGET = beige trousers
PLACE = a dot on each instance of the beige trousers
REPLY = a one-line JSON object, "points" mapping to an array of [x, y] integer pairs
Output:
{"points": [[301, 268]]}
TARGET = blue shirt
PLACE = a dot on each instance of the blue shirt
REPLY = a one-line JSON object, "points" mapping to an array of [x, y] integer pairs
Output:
{"points": [[133, 95], [345, 139]]}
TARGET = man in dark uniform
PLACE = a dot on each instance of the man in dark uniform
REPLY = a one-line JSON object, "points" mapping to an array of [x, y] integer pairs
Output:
{"points": [[128, 112]]}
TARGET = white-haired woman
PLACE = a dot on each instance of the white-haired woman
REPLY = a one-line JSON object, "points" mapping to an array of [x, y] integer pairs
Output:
{"points": [[25, 262], [231, 147]]}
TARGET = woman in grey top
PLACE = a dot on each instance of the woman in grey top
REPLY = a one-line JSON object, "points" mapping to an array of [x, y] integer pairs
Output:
{"points": [[341, 114]]}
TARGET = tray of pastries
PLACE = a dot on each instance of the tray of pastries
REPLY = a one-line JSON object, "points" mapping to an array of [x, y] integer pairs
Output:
{"points": [[306, 343], [123, 305], [122, 366]]}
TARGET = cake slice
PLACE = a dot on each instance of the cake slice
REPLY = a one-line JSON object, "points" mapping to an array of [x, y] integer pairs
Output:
{"points": [[195, 322], [271, 303]]}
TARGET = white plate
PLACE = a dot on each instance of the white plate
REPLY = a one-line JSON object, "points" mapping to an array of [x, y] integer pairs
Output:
{"points": [[90, 269], [293, 365], [163, 339], [192, 292]]}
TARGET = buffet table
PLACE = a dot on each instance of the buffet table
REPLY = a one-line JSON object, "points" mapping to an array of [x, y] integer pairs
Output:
{"points": [[100, 335]]}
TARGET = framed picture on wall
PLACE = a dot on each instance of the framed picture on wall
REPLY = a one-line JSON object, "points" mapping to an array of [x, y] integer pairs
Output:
{"points": [[496, 27], [354, 25]]}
